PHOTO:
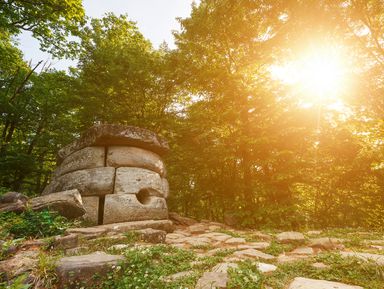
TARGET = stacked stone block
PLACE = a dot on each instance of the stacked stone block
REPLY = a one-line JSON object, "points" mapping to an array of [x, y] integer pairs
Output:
{"points": [[119, 172]]}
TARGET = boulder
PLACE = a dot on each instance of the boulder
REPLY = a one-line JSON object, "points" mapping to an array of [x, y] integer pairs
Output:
{"points": [[68, 203], [120, 156], [78, 271], [116, 135], [289, 237], [301, 283], [86, 158], [127, 207], [13, 197], [211, 280], [132, 180], [90, 182], [66, 242], [17, 207]]}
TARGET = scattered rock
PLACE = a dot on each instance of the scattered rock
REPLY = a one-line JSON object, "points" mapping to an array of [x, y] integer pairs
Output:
{"points": [[176, 276], [179, 220], [303, 251], [302, 283], [21, 262], [211, 280], [152, 236], [320, 265], [326, 243], [13, 197], [223, 267], [261, 236], [197, 229], [266, 268], [17, 207], [119, 247], [283, 258], [235, 241], [289, 237], [254, 245], [66, 242], [252, 253], [75, 271], [376, 258]]}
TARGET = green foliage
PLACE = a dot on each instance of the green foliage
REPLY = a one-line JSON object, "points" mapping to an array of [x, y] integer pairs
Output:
{"points": [[51, 22], [144, 268], [345, 270], [32, 224], [276, 248], [246, 276]]}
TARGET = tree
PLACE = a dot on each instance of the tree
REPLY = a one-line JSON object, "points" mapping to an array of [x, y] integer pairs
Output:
{"points": [[50, 21]]}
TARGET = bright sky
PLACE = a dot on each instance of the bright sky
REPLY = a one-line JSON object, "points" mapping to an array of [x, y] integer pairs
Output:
{"points": [[155, 19]]}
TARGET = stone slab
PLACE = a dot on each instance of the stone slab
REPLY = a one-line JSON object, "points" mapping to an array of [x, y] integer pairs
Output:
{"points": [[132, 180], [165, 225], [90, 182], [86, 158], [306, 283], [77, 271], [67, 203], [288, 237], [91, 205], [211, 280], [126, 207], [376, 258], [123, 156], [117, 135]]}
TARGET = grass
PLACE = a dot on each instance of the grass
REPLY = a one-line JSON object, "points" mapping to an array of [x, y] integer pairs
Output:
{"points": [[345, 270]]}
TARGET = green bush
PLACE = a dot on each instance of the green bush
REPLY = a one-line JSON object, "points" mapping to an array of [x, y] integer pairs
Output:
{"points": [[32, 224]]}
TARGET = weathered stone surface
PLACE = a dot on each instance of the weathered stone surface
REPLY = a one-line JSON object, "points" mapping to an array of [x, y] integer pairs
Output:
{"points": [[254, 245], [235, 241], [288, 237], [180, 220], [266, 268], [176, 276], [126, 207], [197, 228], [223, 267], [91, 205], [164, 225], [90, 182], [89, 232], [75, 271], [320, 265], [116, 135], [283, 258], [20, 263], [303, 283], [376, 258], [68, 203], [303, 251], [252, 253], [132, 180], [86, 158], [66, 242], [326, 243], [152, 236], [12, 197], [211, 280], [122, 156], [17, 207]]}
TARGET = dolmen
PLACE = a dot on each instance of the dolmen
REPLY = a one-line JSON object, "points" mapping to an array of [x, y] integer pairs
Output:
{"points": [[119, 173]]}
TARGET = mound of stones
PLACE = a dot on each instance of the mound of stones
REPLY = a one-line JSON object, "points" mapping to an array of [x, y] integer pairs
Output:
{"points": [[119, 173]]}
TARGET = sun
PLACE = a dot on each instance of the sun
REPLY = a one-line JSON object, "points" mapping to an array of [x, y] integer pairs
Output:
{"points": [[317, 75]]}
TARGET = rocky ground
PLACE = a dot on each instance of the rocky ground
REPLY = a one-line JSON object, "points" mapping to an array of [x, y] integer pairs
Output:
{"points": [[196, 255]]}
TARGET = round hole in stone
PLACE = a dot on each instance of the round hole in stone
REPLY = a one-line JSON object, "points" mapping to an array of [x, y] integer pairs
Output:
{"points": [[143, 196]]}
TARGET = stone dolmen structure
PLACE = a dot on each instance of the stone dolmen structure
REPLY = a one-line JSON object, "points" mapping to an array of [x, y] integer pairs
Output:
{"points": [[119, 173]]}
